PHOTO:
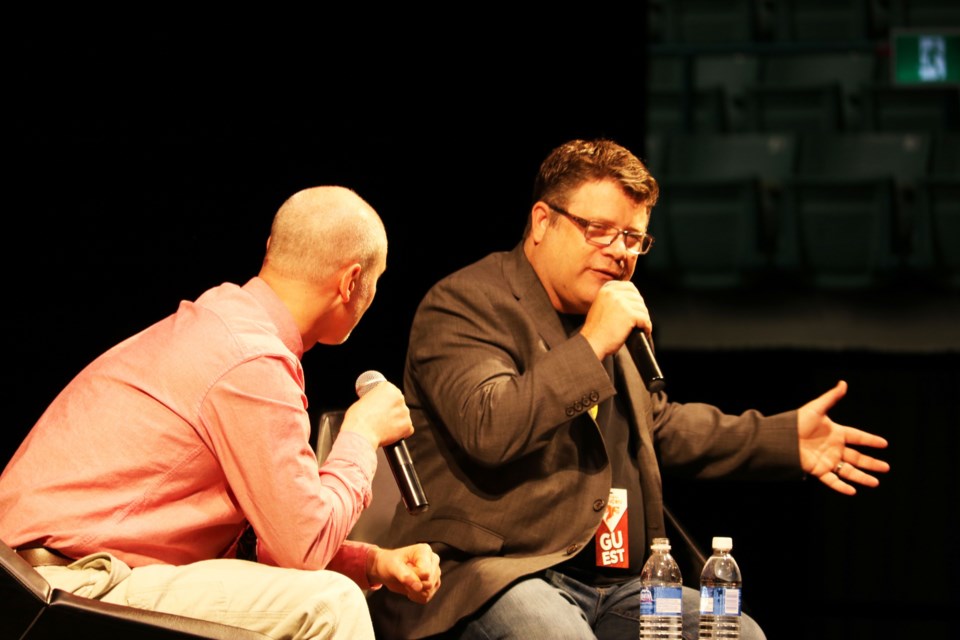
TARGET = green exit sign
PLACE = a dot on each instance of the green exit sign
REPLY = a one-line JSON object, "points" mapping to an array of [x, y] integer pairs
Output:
{"points": [[926, 56]]}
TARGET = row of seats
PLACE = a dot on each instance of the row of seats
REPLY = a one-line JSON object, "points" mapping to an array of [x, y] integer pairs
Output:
{"points": [[799, 91], [847, 210], [740, 21]]}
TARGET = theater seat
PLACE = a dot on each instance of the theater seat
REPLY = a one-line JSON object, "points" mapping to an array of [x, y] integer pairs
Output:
{"points": [[849, 210], [375, 520], [31, 610], [937, 243], [718, 209]]}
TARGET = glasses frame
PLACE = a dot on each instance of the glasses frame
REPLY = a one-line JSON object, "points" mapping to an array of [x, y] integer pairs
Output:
{"points": [[584, 224]]}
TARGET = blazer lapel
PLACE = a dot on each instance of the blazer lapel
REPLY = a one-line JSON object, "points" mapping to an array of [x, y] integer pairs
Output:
{"points": [[639, 403], [529, 292]]}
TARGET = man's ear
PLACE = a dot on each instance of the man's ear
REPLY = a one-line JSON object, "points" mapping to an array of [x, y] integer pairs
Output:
{"points": [[349, 281], [539, 221]]}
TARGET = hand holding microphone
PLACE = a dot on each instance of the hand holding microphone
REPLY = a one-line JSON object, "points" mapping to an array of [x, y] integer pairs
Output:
{"points": [[619, 305], [398, 456]]}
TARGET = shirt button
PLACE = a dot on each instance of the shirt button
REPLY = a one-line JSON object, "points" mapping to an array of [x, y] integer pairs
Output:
{"points": [[594, 397], [598, 505], [571, 412], [572, 549]]}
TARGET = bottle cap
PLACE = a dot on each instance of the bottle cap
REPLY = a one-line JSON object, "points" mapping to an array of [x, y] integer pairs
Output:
{"points": [[660, 544], [722, 543]]}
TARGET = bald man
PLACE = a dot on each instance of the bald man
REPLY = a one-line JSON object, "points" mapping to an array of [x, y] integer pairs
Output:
{"points": [[136, 484]]}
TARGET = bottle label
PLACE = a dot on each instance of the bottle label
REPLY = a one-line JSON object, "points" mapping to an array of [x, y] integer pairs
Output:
{"points": [[661, 601], [720, 601]]}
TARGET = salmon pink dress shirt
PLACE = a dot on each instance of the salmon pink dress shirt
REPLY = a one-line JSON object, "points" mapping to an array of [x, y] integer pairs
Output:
{"points": [[167, 445]]}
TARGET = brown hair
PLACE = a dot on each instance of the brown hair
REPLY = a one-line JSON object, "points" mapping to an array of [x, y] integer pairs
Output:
{"points": [[578, 161]]}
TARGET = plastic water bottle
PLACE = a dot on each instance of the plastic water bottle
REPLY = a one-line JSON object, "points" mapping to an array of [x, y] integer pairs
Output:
{"points": [[661, 595], [720, 593]]}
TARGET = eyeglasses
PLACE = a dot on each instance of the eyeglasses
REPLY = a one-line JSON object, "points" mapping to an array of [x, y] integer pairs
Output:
{"points": [[601, 234]]}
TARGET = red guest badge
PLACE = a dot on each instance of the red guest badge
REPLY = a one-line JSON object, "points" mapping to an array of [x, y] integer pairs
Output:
{"points": [[611, 542]]}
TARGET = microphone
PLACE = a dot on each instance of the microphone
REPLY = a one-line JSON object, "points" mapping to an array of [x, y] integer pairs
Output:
{"points": [[398, 456], [642, 353]]}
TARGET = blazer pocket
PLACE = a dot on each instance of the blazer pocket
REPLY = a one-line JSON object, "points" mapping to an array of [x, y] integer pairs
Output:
{"points": [[466, 536]]}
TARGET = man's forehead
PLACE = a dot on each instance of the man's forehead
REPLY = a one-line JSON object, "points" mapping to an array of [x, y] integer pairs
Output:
{"points": [[597, 204]]}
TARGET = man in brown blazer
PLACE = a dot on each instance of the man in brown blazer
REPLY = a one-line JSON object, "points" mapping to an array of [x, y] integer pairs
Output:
{"points": [[537, 441]]}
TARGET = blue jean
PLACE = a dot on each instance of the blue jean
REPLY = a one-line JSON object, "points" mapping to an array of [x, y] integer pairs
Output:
{"points": [[558, 607]]}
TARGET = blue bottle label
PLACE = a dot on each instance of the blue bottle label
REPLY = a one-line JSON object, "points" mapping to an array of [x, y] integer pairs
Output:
{"points": [[661, 601], [720, 601]]}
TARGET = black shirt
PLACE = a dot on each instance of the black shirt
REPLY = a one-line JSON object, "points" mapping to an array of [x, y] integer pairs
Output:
{"points": [[622, 446]]}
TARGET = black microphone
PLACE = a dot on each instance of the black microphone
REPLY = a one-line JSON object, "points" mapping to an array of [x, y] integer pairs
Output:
{"points": [[642, 353], [398, 456]]}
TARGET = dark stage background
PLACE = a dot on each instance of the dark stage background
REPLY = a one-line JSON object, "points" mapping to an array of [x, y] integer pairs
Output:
{"points": [[146, 168]]}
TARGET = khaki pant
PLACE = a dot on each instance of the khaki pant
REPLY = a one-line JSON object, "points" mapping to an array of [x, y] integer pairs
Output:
{"points": [[281, 603]]}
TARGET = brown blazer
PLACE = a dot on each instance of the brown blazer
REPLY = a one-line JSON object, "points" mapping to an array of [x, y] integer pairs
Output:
{"points": [[513, 465]]}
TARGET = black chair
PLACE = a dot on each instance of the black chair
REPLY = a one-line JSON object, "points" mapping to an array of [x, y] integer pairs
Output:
{"points": [[719, 206], [849, 210], [676, 103], [30, 609], [375, 519], [800, 92], [936, 254], [734, 74], [706, 22], [817, 21], [923, 14], [912, 108], [703, 93]]}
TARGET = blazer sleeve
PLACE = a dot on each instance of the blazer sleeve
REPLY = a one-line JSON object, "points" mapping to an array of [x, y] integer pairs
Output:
{"points": [[699, 440], [478, 361]]}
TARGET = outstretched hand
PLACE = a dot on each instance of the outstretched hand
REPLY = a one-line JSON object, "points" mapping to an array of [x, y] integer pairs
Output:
{"points": [[826, 447], [413, 571]]}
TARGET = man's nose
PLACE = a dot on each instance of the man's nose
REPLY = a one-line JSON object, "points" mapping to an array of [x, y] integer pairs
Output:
{"points": [[618, 247]]}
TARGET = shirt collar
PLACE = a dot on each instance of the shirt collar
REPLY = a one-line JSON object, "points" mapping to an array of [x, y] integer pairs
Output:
{"points": [[279, 314]]}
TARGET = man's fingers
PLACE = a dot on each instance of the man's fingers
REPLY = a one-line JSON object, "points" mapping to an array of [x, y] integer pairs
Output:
{"points": [[827, 400]]}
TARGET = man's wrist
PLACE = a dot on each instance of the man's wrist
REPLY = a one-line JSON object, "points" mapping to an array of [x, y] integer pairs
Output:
{"points": [[373, 581]]}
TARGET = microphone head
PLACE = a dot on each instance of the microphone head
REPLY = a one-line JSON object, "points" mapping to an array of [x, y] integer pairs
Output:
{"points": [[368, 380]]}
